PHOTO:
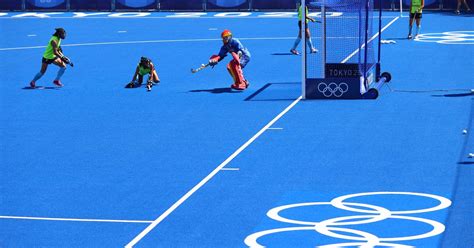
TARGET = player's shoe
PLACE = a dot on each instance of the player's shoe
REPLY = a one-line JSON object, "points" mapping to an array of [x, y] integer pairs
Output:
{"points": [[314, 50], [293, 51], [57, 83], [410, 37], [148, 86], [416, 36], [457, 12], [33, 84], [238, 87]]}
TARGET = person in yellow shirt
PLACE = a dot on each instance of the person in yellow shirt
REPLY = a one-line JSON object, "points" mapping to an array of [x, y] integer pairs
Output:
{"points": [[416, 7], [144, 67], [53, 55], [308, 34]]}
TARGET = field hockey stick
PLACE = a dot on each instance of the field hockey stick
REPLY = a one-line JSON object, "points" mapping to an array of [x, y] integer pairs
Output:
{"points": [[200, 68]]}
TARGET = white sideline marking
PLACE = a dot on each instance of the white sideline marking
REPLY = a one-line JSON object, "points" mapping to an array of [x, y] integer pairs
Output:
{"points": [[122, 31], [275, 128], [156, 41], [31, 35], [142, 42], [230, 169], [209, 177], [74, 219]]}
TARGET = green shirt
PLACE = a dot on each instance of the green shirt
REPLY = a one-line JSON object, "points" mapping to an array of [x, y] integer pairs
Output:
{"points": [[49, 52], [415, 5], [300, 14], [143, 70]]}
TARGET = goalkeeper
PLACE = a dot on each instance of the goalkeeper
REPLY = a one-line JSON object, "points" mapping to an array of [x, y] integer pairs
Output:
{"points": [[54, 55], [416, 7], [241, 56], [144, 67]]}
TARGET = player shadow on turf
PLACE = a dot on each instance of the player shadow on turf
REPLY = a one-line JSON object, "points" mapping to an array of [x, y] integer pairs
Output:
{"points": [[41, 88], [454, 95], [282, 54], [217, 90]]}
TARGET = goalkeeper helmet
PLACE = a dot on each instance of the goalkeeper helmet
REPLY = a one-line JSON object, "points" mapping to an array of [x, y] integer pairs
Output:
{"points": [[226, 36], [226, 33]]}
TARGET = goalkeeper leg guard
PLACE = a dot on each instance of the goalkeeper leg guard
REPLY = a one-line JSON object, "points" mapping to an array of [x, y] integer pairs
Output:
{"points": [[235, 70]]}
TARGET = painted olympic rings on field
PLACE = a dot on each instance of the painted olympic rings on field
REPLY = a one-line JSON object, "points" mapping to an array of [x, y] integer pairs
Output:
{"points": [[449, 38], [333, 89], [369, 213]]}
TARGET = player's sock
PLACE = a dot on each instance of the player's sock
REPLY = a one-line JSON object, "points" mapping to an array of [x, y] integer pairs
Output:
{"points": [[310, 44], [297, 42], [37, 76], [60, 73], [418, 28]]}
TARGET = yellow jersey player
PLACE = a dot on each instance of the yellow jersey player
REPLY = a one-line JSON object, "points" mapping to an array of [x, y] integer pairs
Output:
{"points": [[416, 7], [144, 67], [307, 33], [53, 55]]}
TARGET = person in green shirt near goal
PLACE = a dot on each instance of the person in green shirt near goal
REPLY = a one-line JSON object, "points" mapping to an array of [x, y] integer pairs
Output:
{"points": [[53, 55], [308, 34], [416, 7]]}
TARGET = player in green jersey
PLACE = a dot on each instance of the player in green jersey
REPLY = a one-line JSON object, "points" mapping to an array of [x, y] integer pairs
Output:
{"points": [[53, 55], [307, 33], [143, 68], [416, 7]]}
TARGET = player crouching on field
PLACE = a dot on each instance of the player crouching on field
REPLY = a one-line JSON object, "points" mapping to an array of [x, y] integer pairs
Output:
{"points": [[144, 67], [241, 56]]}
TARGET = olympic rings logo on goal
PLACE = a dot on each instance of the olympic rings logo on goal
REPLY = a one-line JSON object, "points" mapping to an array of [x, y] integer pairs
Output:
{"points": [[451, 38], [333, 89], [368, 214]]}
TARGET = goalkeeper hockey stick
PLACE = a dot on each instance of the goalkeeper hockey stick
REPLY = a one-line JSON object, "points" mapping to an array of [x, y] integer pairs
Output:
{"points": [[200, 68]]}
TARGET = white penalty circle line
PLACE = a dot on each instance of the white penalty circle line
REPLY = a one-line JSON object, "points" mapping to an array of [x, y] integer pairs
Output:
{"points": [[228, 160]]}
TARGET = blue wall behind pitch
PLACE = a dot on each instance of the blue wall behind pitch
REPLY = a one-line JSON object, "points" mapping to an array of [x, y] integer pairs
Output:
{"points": [[185, 5]]}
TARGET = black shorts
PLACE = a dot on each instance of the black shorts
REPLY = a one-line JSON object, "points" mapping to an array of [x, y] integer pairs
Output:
{"points": [[299, 25], [415, 15], [48, 61]]}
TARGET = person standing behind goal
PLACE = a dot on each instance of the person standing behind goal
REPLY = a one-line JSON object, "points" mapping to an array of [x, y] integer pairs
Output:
{"points": [[416, 7], [308, 34]]}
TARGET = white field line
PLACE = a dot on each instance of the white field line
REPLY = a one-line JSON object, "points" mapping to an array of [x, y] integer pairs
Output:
{"points": [[230, 169], [275, 128], [74, 219], [373, 37], [154, 41]]}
